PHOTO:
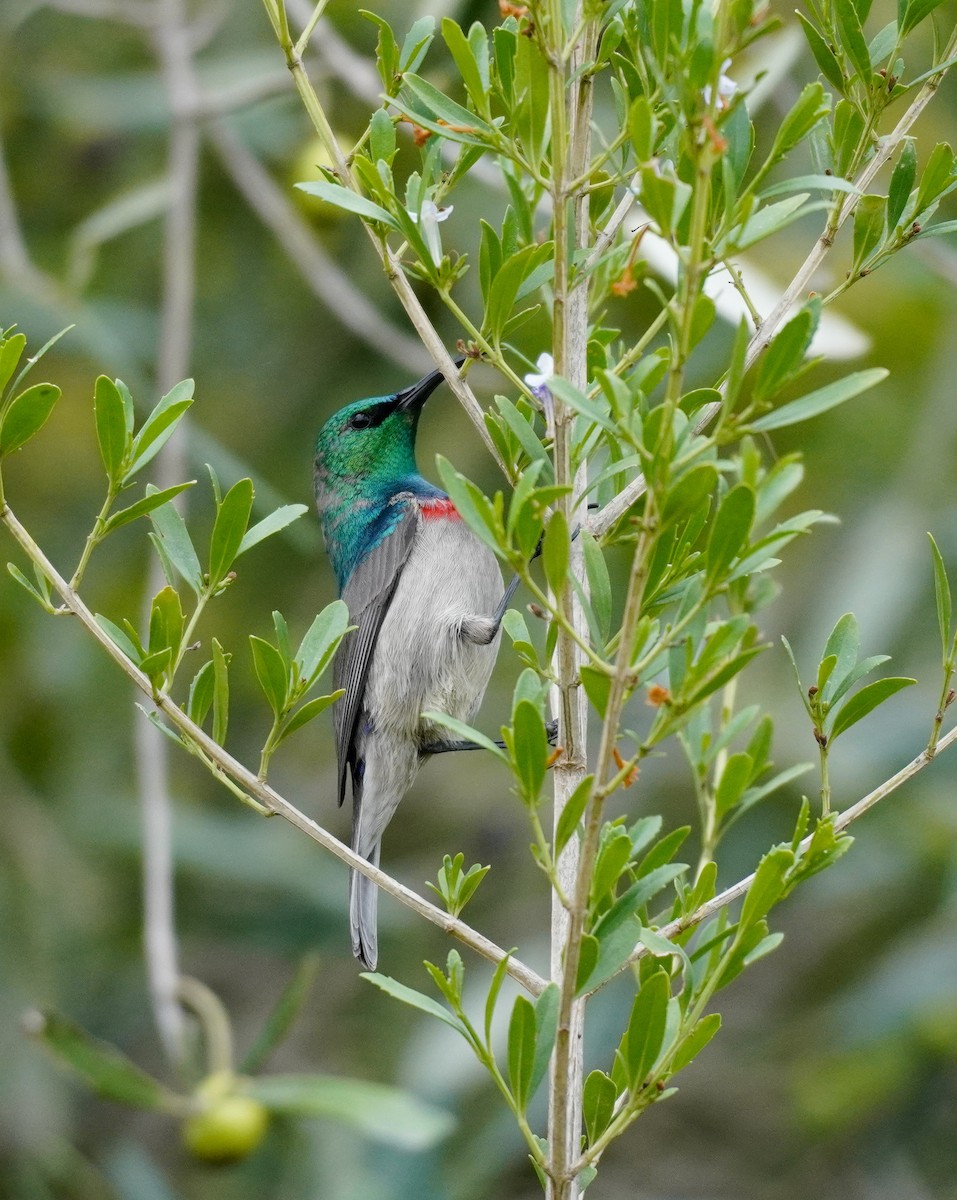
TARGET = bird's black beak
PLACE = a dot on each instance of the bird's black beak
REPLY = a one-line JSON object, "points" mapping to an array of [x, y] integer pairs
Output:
{"points": [[415, 396]]}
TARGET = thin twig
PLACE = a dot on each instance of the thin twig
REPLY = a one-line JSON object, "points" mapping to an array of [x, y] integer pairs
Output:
{"points": [[253, 786], [600, 522]]}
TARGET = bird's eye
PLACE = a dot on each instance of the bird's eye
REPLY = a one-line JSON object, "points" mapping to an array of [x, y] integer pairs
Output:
{"points": [[360, 421]]}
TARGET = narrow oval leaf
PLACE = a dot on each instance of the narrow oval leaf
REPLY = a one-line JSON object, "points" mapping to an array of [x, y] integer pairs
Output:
{"points": [[321, 640], [768, 885], [271, 671], [598, 1104], [111, 433], [646, 1028], [865, 701], [105, 1069], [942, 597], [521, 1050], [152, 500], [556, 551], [572, 814], [308, 712], [546, 1027], [389, 1115], [732, 524], [815, 403], [283, 516], [692, 1045], [531, 750], [26, 415], [229, 529], [336, 194]]}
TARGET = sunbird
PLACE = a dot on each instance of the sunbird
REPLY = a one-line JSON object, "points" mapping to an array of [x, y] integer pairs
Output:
{"points": [[427, 599]]}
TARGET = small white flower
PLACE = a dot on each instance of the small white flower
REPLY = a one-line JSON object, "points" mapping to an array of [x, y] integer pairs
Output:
{"points": [[538, 384], [727, 87], [429, 220], [538, 381]]}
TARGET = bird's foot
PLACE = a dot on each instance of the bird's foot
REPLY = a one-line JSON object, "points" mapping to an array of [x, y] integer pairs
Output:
{"points": [[551, 732]]}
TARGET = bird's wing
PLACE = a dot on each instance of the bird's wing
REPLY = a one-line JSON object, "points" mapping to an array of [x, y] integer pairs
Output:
{"points": [[368, 595]]}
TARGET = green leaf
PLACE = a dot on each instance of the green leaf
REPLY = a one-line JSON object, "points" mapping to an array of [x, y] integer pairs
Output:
{"points": [[530, 750], [786, 353], [407, 995], [283, 516], [768, 886], [466, 732], [769, 219], [915, 12], [283, 1014], [730, 530], [546, 1028], [11, 349], [581, 404], [869, 217], [646, 1028], [937, 176], [599, 582], [166, 621], [598, 1104], [823, 54], [386, 1114], [272, 671], [170, 531], [811, 106], [694, 1042], [321, 640], [151, 501], [852, 38], [597, 687], [498, 978], [640, 892], [942, 596], [521, 1050], [556, 551], [200, 694], [308, 712], [461, 52], [815, 403], [111, 431], [416, 44], [381, 136], [865, 701], [159, 426], [902, 183], [345, 198], [229, 529], [572, 814], [454, 121], [472, 506], [108, 1072], [26, 415], [220, 692], [42, 599], [843, 645], [642, 128], [734, 779]]}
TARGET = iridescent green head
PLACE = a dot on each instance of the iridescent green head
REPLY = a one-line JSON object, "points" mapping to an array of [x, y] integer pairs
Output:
{"points": [[365, 454]]}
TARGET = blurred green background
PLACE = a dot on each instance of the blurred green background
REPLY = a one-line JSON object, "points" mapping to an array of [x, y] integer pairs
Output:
{"points": [[836, 1073]]}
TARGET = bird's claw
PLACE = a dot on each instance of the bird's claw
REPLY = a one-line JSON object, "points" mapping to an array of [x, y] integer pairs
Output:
{"points": [[551, 732]]}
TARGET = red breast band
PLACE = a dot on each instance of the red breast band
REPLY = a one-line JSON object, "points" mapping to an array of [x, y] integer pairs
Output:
{"points": [[431, 509]]}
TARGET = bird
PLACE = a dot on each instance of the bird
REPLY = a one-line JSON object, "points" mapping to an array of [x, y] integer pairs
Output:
{"points": [[426, 598]]}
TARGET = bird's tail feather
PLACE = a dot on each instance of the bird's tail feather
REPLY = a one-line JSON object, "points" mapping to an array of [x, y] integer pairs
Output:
{"points": [[363, 905]]}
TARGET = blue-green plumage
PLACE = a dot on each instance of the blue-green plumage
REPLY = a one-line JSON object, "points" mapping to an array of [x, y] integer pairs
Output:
{"points": [[423, 593]]}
